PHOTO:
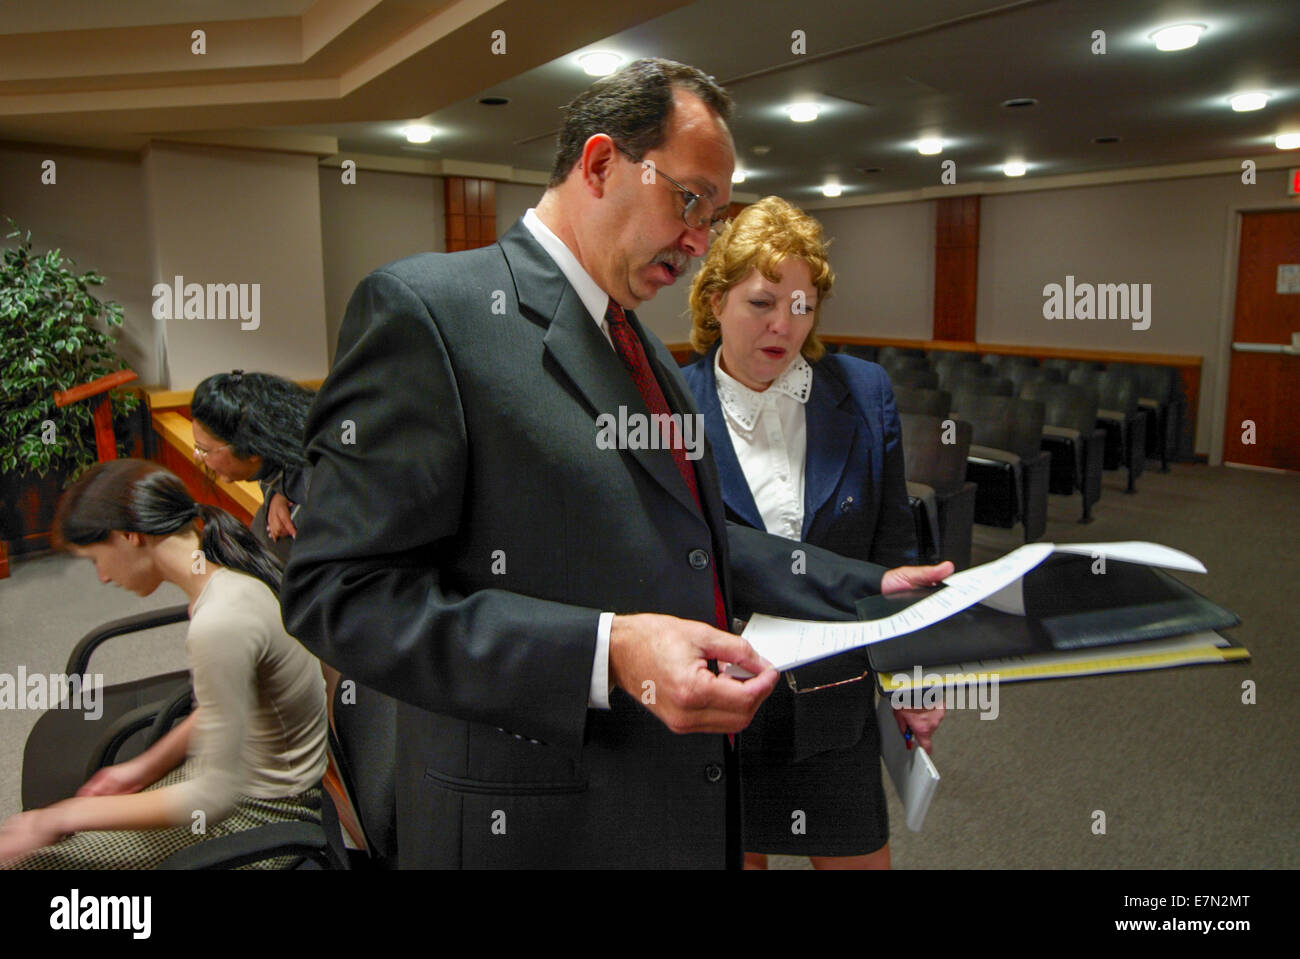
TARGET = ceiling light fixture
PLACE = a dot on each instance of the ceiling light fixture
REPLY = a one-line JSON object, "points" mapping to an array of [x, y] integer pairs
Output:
{"points": [[1180, 36], [738, 175], [1014, 168], [929, 146], [803, 112], [1287, 141], [831, 189], [418, 133], [599, 64], [1254, 100]]}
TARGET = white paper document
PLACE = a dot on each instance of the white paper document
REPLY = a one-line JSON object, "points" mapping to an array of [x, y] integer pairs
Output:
{"points": [[787, 643], [912, 770]]}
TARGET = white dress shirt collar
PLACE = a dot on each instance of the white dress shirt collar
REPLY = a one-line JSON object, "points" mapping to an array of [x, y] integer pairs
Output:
{"points": [[743, 405], [593, 297]]}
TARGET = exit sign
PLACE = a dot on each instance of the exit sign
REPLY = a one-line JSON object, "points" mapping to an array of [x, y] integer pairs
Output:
{"points": [[1293, 182]]}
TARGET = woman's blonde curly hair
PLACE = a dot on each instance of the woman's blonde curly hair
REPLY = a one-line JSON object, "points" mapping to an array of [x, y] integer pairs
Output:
{"points": [[762, 236]]}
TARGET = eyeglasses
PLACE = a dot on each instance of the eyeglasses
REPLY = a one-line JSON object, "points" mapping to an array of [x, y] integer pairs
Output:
{"points": [[699, 210], [794, 685], [203, 454]]}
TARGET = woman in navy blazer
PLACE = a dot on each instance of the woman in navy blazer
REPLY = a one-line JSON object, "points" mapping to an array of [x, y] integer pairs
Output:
{"points": [[807, 446]]}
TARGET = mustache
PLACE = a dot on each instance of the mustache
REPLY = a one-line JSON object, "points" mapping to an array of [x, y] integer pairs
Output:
{"points": [[675, 259]]}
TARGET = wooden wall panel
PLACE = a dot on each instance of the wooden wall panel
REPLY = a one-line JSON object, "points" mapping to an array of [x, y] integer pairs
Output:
{"points": [[470, 212], [956, 267]]}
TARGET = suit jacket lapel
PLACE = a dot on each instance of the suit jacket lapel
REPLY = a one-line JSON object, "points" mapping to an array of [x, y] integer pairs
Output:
{"points": [[735, 488], [830, 439], [575, 342]]}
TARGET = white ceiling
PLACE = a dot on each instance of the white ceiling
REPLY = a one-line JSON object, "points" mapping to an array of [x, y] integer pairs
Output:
{"points": [[884, 73], [887, 72]]}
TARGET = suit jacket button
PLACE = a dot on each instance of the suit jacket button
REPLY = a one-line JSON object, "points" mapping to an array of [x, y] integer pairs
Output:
{"points": [[712, 772], [698, 558], [844, 506]]}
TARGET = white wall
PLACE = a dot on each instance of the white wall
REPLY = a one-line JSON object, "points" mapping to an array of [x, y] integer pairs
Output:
{"points": [[883, 258], [95, 213], [1172, 234], [246, 216], [380, 218], [239, 216]]}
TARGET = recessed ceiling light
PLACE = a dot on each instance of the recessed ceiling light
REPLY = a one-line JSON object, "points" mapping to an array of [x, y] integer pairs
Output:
{"points": [[1180, 36], [761, 150], [1014, 168], [1105, 139], [831, 189], [418, 133], [803, 112], [1254, 100], [1287, 141], [738, 175], [1019, 102], [598, 64], [929, 146], [494, 101]]}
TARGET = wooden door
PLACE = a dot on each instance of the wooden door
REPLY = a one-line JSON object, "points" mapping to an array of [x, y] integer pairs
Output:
{"points": [[1264, 372]]}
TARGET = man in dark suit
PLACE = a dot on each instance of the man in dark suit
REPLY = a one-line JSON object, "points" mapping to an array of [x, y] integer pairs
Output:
{"points": [[546, 609]]}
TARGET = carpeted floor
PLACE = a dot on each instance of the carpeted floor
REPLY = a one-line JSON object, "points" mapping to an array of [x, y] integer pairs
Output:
{"points": [[1186, 774]]}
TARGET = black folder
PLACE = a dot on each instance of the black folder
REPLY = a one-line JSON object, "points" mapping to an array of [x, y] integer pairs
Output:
{"points": [[1067, 607]]}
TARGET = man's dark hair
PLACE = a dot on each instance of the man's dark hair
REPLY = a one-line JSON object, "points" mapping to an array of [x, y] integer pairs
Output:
{"points": [[632, 106]]}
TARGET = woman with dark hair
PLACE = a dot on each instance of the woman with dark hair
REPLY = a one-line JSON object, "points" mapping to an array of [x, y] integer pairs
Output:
{"points": [[249, 426], [808, 446], [256, 739]]}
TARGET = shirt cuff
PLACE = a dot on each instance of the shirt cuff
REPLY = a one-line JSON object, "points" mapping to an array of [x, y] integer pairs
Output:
{"points": [[598, 695]]}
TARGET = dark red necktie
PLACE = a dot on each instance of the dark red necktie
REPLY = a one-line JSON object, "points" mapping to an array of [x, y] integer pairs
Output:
{"points": [[633, 355]]}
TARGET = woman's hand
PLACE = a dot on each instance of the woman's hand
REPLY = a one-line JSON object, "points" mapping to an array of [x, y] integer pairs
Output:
{"points": [[922, 723], [278, 522], [903, 578], [26, 831], [115, 780]]}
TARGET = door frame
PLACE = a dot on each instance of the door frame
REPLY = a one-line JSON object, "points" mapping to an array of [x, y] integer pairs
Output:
{"points": [[1228, 318]]}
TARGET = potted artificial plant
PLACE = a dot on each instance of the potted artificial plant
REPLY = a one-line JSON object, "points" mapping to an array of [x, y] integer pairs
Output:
{"points": [[54, 335]]}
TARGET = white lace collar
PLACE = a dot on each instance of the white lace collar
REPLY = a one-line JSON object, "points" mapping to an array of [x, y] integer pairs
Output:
{"points": [[743, 405]]}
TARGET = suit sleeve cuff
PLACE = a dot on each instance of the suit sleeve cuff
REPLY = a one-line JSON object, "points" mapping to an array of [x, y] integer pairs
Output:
{"points": [[598, 696]]}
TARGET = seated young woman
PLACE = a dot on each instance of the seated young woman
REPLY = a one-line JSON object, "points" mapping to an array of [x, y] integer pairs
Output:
{"points": [[253, 750]]}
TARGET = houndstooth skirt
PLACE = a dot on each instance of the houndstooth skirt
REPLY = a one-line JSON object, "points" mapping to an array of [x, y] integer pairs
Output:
{"points": [[146, 848]]}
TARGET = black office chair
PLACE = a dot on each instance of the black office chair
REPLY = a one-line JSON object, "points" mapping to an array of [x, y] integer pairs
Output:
{"points": [[1003, 363], [862, 352], [964, 380], [942, 501], [1119, 414], [943, 362], [363, 741], [1160, 394], [1071, 434], [917, 379], [914, 399], [1006, 461], [1020, 374], [899, 363], [63, 750], [888, 354]]}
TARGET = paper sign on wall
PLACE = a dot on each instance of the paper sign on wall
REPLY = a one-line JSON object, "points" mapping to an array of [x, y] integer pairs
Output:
{"points": [[1288, 277]]}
